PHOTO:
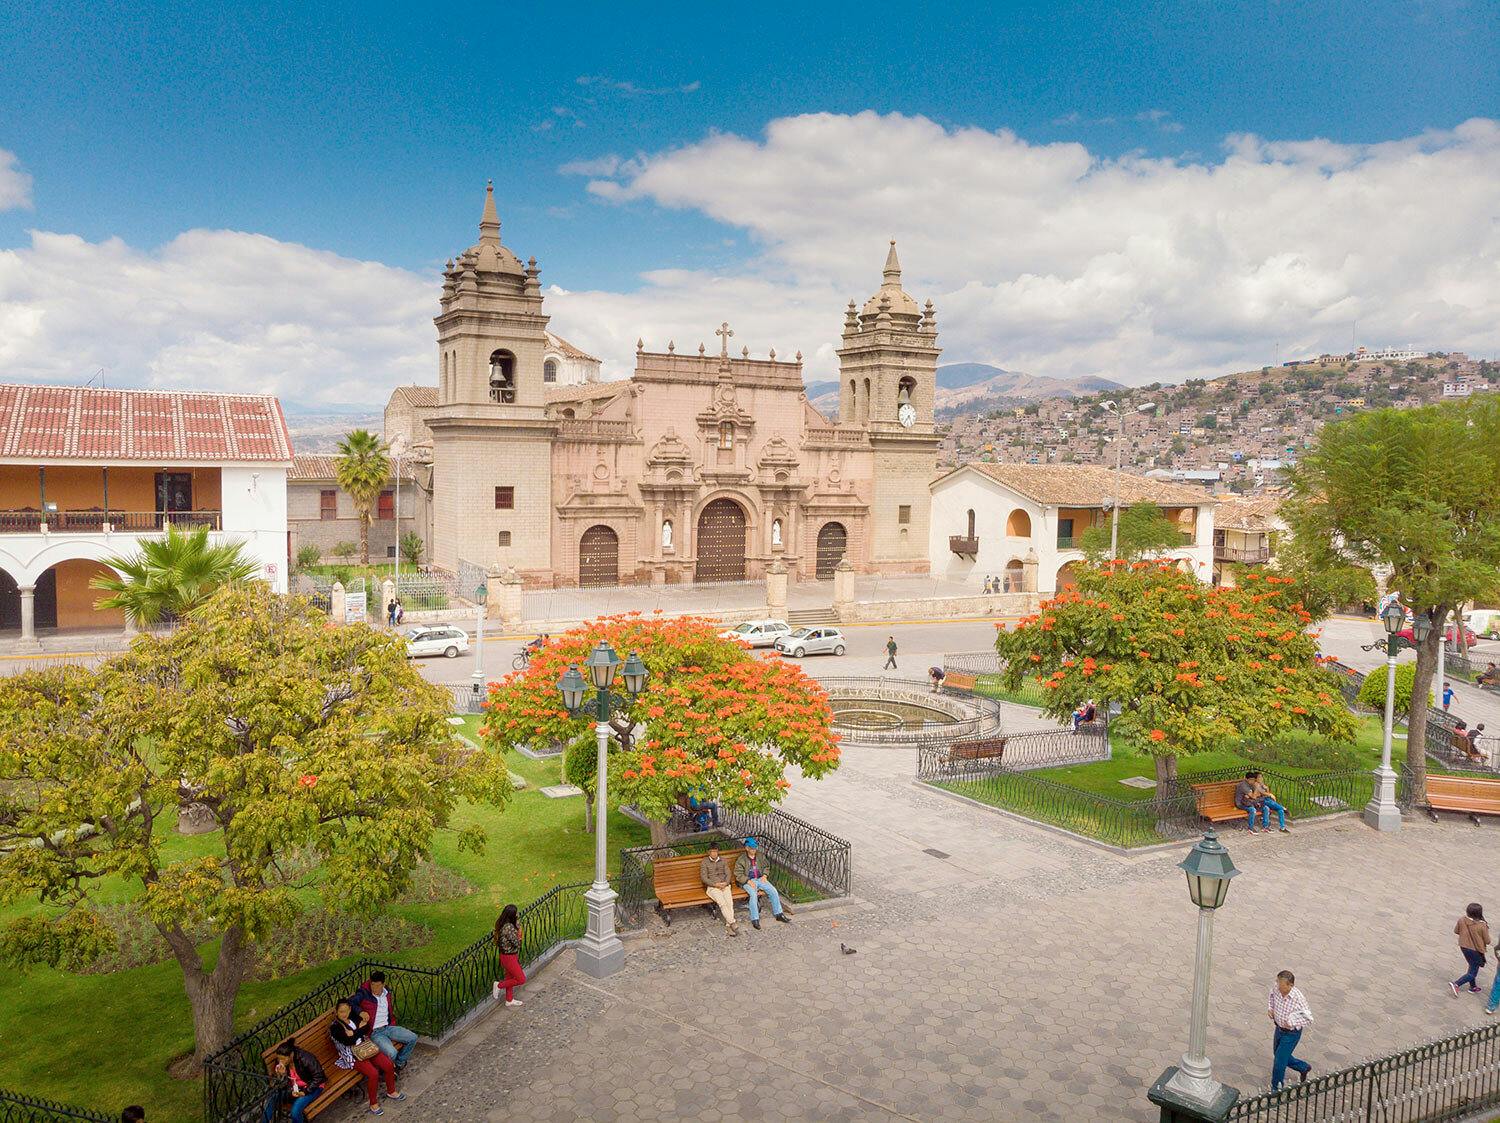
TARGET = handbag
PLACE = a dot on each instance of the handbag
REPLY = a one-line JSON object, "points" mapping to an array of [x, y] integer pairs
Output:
{"points": [[364, 1050]]}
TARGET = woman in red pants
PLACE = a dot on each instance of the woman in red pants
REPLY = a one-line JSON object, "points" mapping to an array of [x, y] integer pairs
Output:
{"points": [[351, 1040], [508, 940]]}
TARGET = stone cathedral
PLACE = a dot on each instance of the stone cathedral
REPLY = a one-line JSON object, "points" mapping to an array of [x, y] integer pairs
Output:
{"points": [[704, 465]]}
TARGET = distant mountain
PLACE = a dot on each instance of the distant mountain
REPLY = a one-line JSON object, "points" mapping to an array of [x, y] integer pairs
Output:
{"points": [[980, 386]]}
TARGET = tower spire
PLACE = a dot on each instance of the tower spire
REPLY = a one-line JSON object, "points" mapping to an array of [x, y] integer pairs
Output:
{"points": [[489, 221], [893, 266]]}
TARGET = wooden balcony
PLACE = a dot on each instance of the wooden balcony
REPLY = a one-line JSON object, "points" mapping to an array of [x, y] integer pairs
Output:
{"points": [[94, 521], [1253, 555], [963, 545]]}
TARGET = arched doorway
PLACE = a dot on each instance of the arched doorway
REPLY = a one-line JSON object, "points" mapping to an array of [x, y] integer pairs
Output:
{"points": [[1015, 576], [833, 542], [599, 557], [1066, 578], [44, 603], [721, 542]]}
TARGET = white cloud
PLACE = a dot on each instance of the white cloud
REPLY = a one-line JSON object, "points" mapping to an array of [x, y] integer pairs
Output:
{"points": [[15, 185], [214, 310], [1047, 258]]}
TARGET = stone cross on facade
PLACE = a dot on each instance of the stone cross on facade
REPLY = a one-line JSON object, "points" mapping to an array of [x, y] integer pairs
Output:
{"points": [[724, 333]]}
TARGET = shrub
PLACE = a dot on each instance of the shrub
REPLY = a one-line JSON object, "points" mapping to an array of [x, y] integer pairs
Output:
{"points": [[308, 556], [344, 550], [412, 547], [1372, 692]]}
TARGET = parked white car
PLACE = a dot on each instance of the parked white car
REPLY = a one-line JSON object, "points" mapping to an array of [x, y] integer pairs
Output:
{"points": [[758, 633], [436, 639], [812, 641]]}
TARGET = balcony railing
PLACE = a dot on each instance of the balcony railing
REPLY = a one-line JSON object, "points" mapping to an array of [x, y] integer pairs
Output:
{"points": [[1253, 554], [966, 545], [1067, 542], [93, 522]]}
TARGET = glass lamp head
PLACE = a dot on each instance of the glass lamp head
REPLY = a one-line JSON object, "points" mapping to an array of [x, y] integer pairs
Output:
{"points": [[1393, 616], [634, 674], [603, 663], [572, 686], [1208, 868], [1421, 627]]}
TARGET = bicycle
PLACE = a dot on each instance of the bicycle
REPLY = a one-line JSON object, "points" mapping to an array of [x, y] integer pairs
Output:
{"points": [[522, 659]]}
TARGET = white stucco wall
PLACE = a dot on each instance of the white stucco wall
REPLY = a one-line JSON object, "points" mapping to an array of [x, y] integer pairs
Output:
{"points": [[254, 505]]}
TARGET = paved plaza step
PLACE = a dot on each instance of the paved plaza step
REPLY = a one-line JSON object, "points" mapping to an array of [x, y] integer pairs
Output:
{"points": [[811, 617]]}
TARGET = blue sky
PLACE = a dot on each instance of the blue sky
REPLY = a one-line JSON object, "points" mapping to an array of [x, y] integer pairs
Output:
{"points": [[368, 129]]}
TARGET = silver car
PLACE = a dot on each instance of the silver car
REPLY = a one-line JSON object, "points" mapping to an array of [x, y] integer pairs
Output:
{"points": [[758, 633], [812, 641]]}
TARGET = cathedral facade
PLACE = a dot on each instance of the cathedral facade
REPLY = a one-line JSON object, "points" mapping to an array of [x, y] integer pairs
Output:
{"points": [[704, 465]]}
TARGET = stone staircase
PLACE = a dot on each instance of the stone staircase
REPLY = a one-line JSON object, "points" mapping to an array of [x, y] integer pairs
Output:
{"points": [[811, 617]]}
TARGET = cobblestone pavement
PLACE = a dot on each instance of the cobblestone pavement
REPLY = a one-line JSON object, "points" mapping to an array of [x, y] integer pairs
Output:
{"points": [[1024, 976]]}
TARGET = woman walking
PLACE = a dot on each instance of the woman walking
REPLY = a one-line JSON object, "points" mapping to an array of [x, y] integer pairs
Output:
{"points": [[356, 1051], [1473, 937], [508, 940]]}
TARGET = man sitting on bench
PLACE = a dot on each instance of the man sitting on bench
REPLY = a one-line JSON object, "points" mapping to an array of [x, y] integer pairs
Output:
{"points": [[751, 876], [1490, 676], [715, 876]]}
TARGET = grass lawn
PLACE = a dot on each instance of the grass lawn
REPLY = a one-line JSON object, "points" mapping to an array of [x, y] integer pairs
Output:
{"points": [[52, 1021]]}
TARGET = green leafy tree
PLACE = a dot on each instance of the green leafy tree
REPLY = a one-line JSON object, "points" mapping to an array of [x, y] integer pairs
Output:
{"points": [[1322, 584], [363, 468], [1192, 667], [1372, 690], [297, 737], [1144, 532], [308, 556], [168, 576], [714, 717], [1417, 490], [412, 547]]}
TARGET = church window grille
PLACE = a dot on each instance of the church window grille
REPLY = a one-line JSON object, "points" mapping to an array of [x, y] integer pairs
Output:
{"points": [[385, 506], [505, 499], [903, 514], [503, 538], [328, 504], [726, 435], [549, 371]]}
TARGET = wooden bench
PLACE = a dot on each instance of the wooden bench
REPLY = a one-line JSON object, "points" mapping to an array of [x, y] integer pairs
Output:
{"points": [[314, 1038], [1216, 801], [678, 886], [1469, 796], [990, 748], [957, 680]]}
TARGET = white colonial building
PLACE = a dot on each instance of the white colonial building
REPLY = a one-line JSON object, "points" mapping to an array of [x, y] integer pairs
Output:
{"points": [[86, 475], [1020, 523]]}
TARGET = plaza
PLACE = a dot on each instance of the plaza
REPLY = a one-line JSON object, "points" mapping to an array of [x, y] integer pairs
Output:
{"points": [[1001, 972]]}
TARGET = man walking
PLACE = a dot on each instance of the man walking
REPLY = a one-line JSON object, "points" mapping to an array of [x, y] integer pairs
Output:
{"points": [[1288, 1010], [752, 878], [890, 653], [714, 873]]}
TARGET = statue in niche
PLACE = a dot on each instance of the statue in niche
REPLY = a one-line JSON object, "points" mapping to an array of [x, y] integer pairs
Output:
{"points": [[666, 534], [775, 532]]}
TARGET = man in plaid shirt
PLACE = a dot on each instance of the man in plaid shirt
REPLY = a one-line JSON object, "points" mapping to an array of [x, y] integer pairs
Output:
{"points": [[1288, 1010]]}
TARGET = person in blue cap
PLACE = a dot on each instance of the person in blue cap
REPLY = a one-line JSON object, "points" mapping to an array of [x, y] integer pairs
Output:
{"points": [[750, 874]]}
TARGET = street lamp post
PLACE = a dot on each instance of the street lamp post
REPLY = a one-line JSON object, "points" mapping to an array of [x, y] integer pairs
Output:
{"points": [[1381, 812], [1114, 503], [481, 598], [600, 952], [1189, 1091]]}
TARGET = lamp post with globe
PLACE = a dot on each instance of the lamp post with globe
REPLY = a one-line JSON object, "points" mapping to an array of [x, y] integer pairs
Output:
{"points": [[1381, 812]]}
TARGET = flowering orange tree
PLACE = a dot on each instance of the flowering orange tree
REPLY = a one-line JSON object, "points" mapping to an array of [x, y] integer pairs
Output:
{"points": [[714, 719], [1191, 666]]}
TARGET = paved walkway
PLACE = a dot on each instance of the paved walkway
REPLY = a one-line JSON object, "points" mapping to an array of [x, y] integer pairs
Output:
{"points": [[1023, 976]]}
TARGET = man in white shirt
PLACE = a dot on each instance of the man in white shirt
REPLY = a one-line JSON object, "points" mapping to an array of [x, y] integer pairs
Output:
{"points": [[377, 1003], [1287, 1008]]}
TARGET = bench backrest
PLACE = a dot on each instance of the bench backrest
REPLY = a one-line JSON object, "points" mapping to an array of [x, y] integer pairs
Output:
{"points": [[1218, 794], [958, 680], [975, 750], [1463, 787], [678, 875], [314, 1038]]}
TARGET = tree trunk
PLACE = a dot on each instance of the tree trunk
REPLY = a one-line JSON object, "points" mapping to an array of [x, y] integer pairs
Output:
{"points": [[1416, 720], [364, 538], [1166, 774], [211, 994], [588, 813], [659, 835]]}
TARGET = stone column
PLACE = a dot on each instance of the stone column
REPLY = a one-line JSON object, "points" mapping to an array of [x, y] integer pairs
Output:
{"points": [[505, 595], [843, 588], [336, 605], [387, 598], [776, 589], [1029, 565], [28, 640]]}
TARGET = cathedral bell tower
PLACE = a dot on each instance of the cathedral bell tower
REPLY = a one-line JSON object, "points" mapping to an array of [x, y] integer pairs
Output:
{"points": [[887, 379], [492, 454]]}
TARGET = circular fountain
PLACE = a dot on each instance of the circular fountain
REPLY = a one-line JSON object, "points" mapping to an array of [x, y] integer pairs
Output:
{"points": [[897, 712]]}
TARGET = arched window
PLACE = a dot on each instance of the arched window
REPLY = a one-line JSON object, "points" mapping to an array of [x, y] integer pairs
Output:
{"points": [[864, 413], [905, 389], [726, 434], [971, 522], [549, 371], [503, 377]]}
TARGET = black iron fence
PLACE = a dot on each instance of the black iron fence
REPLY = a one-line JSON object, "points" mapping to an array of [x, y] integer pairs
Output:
{"points": [[1453, 1078], [16, 1108], [1027, 749], [1465, 749], [1348, 681], [1163, 817], [433, 1001], [466, 700], [805, 862]]}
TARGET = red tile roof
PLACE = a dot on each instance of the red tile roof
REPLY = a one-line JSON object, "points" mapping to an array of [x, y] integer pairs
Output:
{"points": [[164, 427], [323, 467]]}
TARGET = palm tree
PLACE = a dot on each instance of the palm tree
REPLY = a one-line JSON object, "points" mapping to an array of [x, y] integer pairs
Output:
{"points": [[171, 575], [363, 468]]}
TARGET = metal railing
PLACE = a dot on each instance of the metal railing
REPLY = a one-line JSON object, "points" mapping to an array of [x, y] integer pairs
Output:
{"points": [[1242, 554], [964, 717], [466, 700], [18, 1108], [1451, 1078], [433, 1001], [1023, 751], [963, 544], [94, 521], [1456, 751], [422, 592], [987, 667], [1132, 823], [805, 862]]}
